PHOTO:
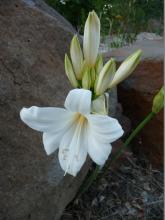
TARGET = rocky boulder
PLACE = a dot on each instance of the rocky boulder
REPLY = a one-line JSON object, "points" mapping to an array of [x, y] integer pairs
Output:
{"points": [[33, 41], [136, 94]]}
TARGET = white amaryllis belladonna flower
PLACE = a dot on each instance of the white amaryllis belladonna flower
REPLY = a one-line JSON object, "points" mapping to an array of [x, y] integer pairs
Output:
{"points": [[74, 130]]}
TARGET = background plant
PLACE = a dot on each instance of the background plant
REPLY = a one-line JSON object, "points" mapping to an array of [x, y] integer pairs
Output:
{"points": [[122, 18]]}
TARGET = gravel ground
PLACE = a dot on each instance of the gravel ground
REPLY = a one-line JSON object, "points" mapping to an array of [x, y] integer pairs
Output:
{"points": [[133, 191]]}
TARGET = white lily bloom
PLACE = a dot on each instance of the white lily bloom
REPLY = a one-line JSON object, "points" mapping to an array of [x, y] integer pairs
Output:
{"points": [[74, 130]]}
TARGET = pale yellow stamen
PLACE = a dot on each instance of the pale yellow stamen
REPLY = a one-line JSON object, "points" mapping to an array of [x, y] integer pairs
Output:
{"points": [[81, 122], [80, 119]]}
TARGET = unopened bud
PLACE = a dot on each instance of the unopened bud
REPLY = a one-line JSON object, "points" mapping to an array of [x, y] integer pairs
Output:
{"points": [[99, 64], [76, 57], [158, 101], [86, 79], [100, 105], [91, 39], [69, 72], [105, 76], [126, 68], [93, 76]]}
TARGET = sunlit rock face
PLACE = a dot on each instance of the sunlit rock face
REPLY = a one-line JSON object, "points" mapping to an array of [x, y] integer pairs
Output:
{"points": [[136, 94], [33, 41]]}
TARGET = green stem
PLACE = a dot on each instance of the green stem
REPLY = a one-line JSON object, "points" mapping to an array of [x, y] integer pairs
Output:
{"points": [[84, 187], [95, 173]]}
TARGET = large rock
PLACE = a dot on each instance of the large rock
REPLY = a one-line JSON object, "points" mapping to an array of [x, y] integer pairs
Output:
{"points": [[33, 40], [136, 94]]}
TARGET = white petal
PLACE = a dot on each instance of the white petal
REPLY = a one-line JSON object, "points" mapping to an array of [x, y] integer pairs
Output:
{"points": [[98, 151], [73, 149], [46, 119], [51, 141], [104, 128], [79, 100]]}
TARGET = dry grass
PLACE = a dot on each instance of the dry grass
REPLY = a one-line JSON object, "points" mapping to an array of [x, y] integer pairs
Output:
{"points": [[133, 191]]}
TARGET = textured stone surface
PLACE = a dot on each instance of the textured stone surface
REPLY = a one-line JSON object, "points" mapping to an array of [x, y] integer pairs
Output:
{"points": [[33, 40], [136, 94], [32, 46]]}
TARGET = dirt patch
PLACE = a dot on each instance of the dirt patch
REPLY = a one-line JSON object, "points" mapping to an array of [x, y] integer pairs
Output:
{"points": [[133, 191]]}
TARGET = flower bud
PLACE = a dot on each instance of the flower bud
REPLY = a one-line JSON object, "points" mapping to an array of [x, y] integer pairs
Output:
{"points": [[69, 72], [100, 105], [86, 79], [99, 64], [105, 76], [93, 76], [91, 38], [126, 68], [158, 101], [76, 57]]}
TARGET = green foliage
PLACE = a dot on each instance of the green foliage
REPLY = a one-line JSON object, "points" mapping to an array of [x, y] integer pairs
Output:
{"points": [[124, 18], [76, 11], [130, 16]]}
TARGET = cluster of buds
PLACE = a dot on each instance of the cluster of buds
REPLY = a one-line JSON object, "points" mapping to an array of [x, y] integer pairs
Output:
{"points": [[85, 68]]}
